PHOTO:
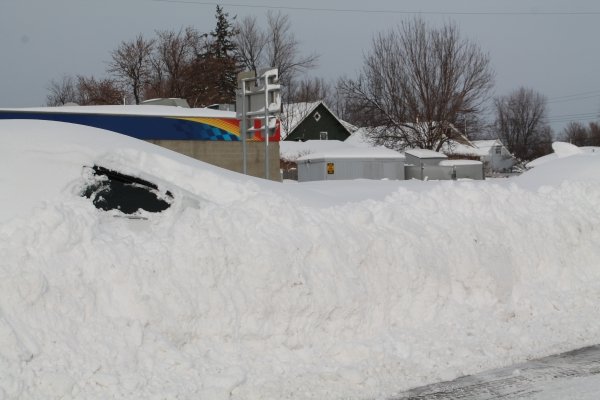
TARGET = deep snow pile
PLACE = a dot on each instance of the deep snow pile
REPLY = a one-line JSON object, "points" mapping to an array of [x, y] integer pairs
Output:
{"points": [[246, 289]]}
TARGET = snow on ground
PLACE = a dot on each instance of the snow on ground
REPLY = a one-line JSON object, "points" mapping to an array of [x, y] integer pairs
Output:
{"points": [[561, 150], [247, 289]]}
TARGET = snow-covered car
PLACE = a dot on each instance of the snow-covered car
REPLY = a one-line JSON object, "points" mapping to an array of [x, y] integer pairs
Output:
{"points": [[126, 176]]}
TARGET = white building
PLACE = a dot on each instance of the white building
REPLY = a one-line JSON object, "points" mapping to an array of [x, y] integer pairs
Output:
{"points": [[430, 165], [494, 155], [351, 163]]}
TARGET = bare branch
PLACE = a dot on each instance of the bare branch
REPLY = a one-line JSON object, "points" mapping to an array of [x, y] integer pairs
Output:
{"points": [[416, 82], [250, 42], [131, 64], [283, 48], [62, 92], [521, 123]]}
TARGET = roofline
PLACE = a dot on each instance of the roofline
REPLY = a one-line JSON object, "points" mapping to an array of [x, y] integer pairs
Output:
{"points": [[316, 104]]}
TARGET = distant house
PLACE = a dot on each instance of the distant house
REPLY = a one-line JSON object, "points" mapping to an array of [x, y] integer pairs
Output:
{"points": [[494, 155], [312, 121]]}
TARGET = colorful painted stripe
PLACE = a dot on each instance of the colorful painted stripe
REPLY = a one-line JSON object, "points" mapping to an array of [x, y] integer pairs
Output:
{"points": [[146, 127]]}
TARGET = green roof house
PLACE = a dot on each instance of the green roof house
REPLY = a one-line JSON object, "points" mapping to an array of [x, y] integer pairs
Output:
{"points": [[312, 121]]}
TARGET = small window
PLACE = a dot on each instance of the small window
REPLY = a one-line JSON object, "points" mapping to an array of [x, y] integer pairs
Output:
{"points": [[317, 116], [323, 136], [498, 150]]}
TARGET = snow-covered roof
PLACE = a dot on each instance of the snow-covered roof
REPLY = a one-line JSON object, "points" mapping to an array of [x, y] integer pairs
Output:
{"points": [[349, 127], [487, 143], [353, 152], [359, 138], [450, 163], [291, 150], [459, 148], [478, 148], [293, 114], [424, 153], [155, 110]]}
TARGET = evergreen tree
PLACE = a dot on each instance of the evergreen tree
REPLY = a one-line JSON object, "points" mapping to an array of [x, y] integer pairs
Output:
{"points": [[221, 60], [222, 45]]}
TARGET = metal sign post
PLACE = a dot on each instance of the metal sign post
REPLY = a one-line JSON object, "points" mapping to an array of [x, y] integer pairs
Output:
{"points": [[244, 78], [258, 99]]}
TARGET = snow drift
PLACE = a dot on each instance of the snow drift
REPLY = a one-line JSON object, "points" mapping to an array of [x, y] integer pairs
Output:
{"points": [[245, 289]]}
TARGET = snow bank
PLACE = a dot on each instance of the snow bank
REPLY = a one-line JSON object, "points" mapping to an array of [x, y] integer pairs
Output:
{"points": [[561, 150], [365, 296]]}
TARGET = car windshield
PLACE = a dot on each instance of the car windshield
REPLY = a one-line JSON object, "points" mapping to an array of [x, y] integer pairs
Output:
{"points": [[113, 190]]}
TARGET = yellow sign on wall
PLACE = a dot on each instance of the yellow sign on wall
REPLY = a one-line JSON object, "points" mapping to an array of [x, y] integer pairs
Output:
{"points": [[330, 168]]}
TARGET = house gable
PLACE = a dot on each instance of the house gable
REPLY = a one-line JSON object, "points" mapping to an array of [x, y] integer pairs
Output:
{"points": [[319, 124]]}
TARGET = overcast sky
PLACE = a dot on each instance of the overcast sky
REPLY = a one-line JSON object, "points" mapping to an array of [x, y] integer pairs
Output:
{"points": [[551, 46]]}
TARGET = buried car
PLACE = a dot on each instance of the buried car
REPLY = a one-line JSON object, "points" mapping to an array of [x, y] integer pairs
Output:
{"points": [[50, 159], [119, 174]]}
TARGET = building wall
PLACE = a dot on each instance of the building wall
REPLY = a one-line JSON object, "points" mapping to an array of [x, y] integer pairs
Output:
{"points": [[229, 155], [446, 172], [343, 169], [501, 162]]}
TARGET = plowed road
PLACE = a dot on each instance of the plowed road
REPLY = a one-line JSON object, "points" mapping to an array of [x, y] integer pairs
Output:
{"points": [[569, 376]]}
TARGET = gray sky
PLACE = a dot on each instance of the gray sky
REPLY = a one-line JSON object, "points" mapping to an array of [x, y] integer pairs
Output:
{"points": [[547, 45]]}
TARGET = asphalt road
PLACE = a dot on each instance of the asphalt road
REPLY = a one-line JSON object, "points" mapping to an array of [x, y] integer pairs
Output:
{"points": [[568, 376]]}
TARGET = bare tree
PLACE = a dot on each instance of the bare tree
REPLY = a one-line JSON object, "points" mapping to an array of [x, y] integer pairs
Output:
{"points": [[131, 64], [580, 135], [174, 53], [575, 133], [283, 50], [415, 82], [521, 123], [91, 91], [310, 90], [339, 103], [250, 43], [276, 46], [594, 134], [84, 91], [62, 92]]}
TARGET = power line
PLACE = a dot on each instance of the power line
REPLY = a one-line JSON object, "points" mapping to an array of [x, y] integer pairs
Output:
{"points": [[574, 97], [573, 117], [381, 11]]}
